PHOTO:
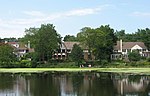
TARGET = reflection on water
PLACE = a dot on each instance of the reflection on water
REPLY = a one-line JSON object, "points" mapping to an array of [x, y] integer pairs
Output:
{"points": [[74, 84]]}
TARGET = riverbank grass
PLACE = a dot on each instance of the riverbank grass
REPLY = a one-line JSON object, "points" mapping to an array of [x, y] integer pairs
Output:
{"points": [[41, 70]]}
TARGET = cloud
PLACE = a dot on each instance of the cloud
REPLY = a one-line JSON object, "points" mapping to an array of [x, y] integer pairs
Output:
{"points": [[82, 12], [34, 13], [39, 17], [141, 14], [16, 26]]}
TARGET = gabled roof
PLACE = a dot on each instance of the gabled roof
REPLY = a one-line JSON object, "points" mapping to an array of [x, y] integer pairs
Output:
{"points": [[21, 46], [68, 45], [12, 43], [129, 45]]}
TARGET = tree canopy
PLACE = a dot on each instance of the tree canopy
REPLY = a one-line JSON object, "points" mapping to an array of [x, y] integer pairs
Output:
{"points": [[100, 41], [44, 40], [77, 54], [6, 54], [70, 38]]}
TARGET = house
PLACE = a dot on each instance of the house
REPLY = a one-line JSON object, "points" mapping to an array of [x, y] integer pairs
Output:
{"points": [[65, 50], [122, 49], [20, 49]]}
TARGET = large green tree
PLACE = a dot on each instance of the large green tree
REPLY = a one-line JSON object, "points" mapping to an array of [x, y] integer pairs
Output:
{"points": [[47, 41], [99, 41], [30, 35], [6, 54], [44, 40], [106, 41], [77, 54], [85, 37]]}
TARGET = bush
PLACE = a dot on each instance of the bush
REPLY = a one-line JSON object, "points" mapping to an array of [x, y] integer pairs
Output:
{"points": [[134, 56], [25, 63], [148, 59]]}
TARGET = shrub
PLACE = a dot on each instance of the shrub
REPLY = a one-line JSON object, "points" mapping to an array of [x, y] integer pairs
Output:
{"points": [[25, 63], [148, 59], [134, 56]]}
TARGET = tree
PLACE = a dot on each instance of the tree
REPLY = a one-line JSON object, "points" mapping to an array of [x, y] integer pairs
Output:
{"points": [[120, 34], [144, 36], [77, 54], [134, 56], [10, 39], [100, 41], [6, 54], [44, 40], [86, 39], [30, 35], [70, 38], [47, 40]]}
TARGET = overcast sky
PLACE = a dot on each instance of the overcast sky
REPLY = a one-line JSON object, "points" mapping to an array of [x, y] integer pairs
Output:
{"points": [[69, 16]]}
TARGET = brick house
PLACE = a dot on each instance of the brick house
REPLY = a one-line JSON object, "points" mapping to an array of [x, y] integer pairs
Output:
{"points": [[65, 50]]}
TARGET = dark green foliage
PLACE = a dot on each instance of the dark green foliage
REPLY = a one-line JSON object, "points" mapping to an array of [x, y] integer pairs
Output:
{"points": [[30, 35], [70, 38], [77, 54], [9, 39], [134, 56], [47, 41], [33, 58], [99, 41], [6, 55], [44, 40], [148, 59]]}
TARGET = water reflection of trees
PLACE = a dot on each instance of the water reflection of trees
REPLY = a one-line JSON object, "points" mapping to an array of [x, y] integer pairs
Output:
{"points": [[86, 84], [132, 85], [6, 82], [104, 84], [75, 84]]}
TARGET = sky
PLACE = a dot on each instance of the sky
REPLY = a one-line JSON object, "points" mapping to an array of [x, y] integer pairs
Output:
{"points": [[69, 16]]}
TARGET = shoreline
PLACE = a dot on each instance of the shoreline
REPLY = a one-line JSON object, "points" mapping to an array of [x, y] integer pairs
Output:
{"points": [[145, 71]]}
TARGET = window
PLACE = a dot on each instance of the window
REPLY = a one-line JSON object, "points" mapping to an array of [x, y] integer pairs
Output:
{"points": [[128, 50], [144, 49], [124, 50]]}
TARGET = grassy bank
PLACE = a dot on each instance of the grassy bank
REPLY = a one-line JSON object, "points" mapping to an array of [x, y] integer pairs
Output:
{"points": [[40, 70]]}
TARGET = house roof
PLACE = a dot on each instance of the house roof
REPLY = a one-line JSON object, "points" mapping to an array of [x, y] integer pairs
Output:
{"points": [[129, 45], [21, 46], [68, 45], [12, 43]]}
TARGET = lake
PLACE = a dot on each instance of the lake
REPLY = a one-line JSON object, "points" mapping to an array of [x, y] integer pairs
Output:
{"points": [[74, 84]]}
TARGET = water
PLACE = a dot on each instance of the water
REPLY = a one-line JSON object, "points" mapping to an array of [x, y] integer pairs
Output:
{"points": [[74, 84]]}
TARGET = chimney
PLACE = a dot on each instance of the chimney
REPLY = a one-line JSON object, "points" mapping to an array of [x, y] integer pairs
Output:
{"points": [[28, 45], [121, 45]]}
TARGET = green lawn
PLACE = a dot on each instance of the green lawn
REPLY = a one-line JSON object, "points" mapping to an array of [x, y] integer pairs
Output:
{"points": [[40, 70]]}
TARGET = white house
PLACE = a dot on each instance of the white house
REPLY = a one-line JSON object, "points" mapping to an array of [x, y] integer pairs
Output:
{"points": [[20, 49], [122, 49]]}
